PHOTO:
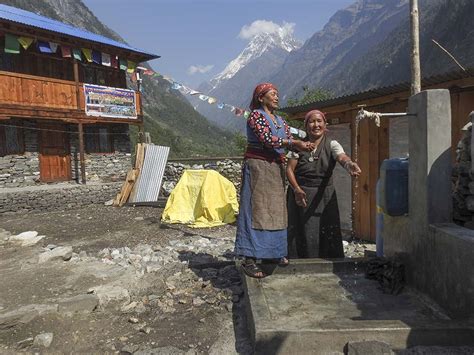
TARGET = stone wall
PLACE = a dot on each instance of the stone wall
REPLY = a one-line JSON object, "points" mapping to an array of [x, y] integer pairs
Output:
{"points": [[104, 167], [19, 170], [463, 180], [24, 170], [232, 170], [56, 197]]}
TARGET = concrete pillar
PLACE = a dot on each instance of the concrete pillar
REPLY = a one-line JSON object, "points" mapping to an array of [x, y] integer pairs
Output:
{"points": [[430, 195]]}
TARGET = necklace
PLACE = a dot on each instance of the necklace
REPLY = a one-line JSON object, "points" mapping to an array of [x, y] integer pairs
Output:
{"points": [[312, 154], [278, 126]]}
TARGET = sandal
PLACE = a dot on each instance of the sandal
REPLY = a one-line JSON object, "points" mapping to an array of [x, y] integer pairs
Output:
{"points": [[251, 269], [283, 261]]}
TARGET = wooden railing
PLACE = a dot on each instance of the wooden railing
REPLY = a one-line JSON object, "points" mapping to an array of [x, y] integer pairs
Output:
{"points": [[24, 95]]}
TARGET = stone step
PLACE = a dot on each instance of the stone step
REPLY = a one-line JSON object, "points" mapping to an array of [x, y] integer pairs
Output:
{"points": [[318, 306]]}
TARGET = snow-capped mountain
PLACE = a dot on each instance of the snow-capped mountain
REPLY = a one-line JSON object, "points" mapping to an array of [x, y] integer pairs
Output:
{"points": [[258, 46], [264, 54]]}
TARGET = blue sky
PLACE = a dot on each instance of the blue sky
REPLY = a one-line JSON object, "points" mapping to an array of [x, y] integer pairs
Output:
{"points": [[204, 33]]}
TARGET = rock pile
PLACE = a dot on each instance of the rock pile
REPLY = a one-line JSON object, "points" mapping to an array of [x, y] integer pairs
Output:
{"points": [[228, 168]]}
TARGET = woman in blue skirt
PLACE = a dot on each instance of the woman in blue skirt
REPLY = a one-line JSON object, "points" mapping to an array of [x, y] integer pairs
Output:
{"points": [[263, 218]]}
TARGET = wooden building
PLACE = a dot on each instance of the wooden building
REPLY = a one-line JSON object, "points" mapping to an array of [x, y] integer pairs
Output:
{"points": [[372, 143], [65, 109]]}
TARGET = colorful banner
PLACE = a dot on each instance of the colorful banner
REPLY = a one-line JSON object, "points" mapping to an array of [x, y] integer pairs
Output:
{"points": [[25, 42], [88, 54], [11, 44], [96, 57], [105, 101], [106, 59], [76, 53], [66, 52], [53, 46]]}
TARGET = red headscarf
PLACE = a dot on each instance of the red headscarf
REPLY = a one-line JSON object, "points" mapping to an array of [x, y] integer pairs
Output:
{"points": [[312, 112], [259, 91]]}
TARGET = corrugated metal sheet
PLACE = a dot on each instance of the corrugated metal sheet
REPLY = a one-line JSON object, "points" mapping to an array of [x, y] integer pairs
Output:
{"points": [[151, 176], [13, 14], [377, 92]]}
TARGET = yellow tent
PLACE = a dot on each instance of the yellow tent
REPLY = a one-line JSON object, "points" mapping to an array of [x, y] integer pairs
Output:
{"points": [[202, 198]]}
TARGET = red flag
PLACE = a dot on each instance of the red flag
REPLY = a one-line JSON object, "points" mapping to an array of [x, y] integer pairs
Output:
{"points": [[114, 61], [65, 51]]}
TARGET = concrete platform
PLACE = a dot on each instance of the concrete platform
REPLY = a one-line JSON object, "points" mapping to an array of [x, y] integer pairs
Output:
{"points": [[316, 306]]}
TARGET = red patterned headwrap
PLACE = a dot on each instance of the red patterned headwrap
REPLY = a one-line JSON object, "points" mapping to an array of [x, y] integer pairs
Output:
{"points": [[259, 91], [312, 112]]}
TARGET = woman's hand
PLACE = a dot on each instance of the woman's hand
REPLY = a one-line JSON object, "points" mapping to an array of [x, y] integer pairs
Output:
{"points": [[352, 168], [300, 197], [303, 146]]}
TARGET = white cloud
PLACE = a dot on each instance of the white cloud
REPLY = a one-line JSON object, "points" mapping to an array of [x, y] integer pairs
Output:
{"points": [[201, 69], [263, 26]]}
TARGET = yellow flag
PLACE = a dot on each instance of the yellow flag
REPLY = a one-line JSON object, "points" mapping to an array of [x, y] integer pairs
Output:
{"points": [[25, 42], [87, 53], [131, 66]]}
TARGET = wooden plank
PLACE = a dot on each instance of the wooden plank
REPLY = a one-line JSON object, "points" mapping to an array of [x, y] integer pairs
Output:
{"points": [[364, 180], [140, 156], [128, 186], [139, 159], [123, 195]]}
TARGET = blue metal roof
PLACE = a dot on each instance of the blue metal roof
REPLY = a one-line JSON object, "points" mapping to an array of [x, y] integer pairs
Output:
{"points": [[28, 18]]}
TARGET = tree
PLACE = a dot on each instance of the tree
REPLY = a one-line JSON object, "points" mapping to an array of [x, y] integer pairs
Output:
{"points": [[240, 141], [309, 96]]}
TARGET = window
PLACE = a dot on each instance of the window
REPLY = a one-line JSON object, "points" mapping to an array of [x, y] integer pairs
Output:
{"points": [[98, 139], [11, 139]]}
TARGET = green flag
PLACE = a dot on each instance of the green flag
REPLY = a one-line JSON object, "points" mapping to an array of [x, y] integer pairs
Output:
{"points": [[123, 64], [11, 44], [76, 53]]}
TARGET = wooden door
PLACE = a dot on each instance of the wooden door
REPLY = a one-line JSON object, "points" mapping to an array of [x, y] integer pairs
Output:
{"points": [[373, 148], [55, 160]]}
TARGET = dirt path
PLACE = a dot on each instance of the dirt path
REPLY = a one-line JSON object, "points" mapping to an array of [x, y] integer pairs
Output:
{"points": [[131, 285]]}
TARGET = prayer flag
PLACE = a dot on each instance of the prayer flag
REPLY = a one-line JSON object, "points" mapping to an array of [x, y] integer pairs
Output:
{"points": [[11, 44], [114, 61], [66, 51], [211, 100], [239, 111], [25, 42], [76, 53], [220, 106], [44, 47], [88, 54], [194, 92], [123, 64], [106, 60], [53, 46], [246, 114], [96, 57], [203, 97], [148, 72], [131, 66]]}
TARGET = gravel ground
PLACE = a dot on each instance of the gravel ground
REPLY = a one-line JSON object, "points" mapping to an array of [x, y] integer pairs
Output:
{"points": [[111, 280]]}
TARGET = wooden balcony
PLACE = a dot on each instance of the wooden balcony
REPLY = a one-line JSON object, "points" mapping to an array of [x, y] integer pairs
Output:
{"points": [[29, 96]]}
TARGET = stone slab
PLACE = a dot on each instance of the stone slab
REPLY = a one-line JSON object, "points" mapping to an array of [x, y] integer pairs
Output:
{"points": [[303, 312]]}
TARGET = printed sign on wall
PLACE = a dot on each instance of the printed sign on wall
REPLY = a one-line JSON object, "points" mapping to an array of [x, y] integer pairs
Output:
{"points": [[105, 101]]}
